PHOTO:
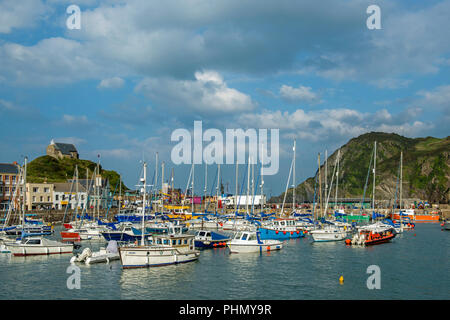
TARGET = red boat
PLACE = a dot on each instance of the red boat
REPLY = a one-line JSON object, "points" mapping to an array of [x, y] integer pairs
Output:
{"points": [[372, 235], [379, 237], [65, 235]]}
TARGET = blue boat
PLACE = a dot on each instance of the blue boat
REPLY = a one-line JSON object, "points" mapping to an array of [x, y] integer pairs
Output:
{"points": [[281, 229], [125, 234], [205, 239], [133, 218]]}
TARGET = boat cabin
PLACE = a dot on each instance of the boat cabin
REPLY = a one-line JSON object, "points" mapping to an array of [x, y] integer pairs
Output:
{"points": [[245, 236], [31, 241]]}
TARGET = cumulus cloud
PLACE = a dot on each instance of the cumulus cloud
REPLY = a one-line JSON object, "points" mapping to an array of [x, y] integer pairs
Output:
{"points": [[332, 124], [20, 14], [207, 93], [299, 94]]}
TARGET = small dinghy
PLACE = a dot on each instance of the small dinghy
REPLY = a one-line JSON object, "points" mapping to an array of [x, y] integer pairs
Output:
{"points": [[107, 254]]}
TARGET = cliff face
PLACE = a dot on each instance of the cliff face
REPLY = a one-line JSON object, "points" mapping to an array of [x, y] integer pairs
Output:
{"points": [[426, 169]]}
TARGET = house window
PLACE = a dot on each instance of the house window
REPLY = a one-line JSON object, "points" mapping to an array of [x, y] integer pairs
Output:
{"points": [[34, 199], [46, 190], [56, 197], [48, 199], [41, 198], [35, 189]]}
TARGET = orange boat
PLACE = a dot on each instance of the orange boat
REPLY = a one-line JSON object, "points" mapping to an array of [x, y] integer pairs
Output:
{"points": [[411, 214]]}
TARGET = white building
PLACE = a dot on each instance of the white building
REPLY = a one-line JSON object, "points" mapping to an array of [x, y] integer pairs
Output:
{"points": [[64, 194], [244, 200]]}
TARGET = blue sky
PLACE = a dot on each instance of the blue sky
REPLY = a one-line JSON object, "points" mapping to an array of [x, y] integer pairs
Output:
{"points": [[137, 70]]}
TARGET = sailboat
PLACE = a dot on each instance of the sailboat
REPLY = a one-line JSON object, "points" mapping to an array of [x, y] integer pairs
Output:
{"points": [[165, 249], [329, 230]]}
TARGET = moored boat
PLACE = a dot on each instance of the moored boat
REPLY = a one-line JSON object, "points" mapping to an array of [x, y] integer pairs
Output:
{"points": [[372, 235], [39, 246], [250, 242], [210, 239]]}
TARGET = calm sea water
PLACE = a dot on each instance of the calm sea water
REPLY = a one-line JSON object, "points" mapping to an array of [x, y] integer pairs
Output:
{"points": [[415, 265]]}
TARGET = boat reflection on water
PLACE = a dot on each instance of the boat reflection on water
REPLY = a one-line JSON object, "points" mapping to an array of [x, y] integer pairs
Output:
{"points": [[134, 283]]}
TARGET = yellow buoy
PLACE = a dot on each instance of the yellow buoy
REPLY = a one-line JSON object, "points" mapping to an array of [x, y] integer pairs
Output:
{"points": [[341, 280]]}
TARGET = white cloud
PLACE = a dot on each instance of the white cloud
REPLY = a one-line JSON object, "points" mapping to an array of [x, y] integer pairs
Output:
{"points": [[331, 124], [71, 119], [207, 93], [299, 95], [111, 83], [20, 14]]}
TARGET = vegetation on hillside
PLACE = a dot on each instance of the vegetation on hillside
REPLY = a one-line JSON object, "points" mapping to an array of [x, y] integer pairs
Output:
{"points": [[49, 169], [426, 169]]}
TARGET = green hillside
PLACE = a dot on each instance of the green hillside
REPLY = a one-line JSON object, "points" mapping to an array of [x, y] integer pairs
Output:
{"points": [[49, 169], [426, 168]]}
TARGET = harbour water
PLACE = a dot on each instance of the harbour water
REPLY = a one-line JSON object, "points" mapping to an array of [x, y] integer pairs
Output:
{"points": [[415, 265]]}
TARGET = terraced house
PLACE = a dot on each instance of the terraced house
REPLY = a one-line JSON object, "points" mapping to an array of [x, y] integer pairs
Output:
{"points": [[9, 177]]}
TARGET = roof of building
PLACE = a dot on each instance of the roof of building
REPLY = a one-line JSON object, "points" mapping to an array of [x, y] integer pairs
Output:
{"points": [[65, 148], [9, 168], [67, 187]]}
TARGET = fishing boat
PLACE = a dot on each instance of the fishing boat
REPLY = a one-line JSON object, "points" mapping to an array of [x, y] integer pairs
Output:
{"points": [[372, 235], [328, 233], [250, 241], [110, 253], [39, 246], [161, 250], [281, 229], [210, 239], [415, 217]]}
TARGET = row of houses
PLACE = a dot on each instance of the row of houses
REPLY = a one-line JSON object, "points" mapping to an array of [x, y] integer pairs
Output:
{"points": [[46, 196]]}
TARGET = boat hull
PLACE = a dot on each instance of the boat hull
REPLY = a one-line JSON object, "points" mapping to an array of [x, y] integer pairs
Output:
{"points": [[419, 217], [21, 251], [320, 236], [146, 257], [267, 234], [254, 248]]}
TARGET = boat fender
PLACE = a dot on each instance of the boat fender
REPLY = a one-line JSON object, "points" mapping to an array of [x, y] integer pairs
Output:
{"points": [[298, 232], [276, 232], [268, 248]]}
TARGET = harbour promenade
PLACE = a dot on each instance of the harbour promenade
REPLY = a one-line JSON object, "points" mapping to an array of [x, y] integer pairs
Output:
{"points": [[56, 216]]}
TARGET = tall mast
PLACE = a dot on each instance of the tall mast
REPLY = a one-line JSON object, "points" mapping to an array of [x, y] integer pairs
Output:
{"points": [[120, 192], [248, 184], [262, 181], [156, 178], [337, 178], [374, 173], [293, 182], [162, 185], [192, 202], [217, 187], [76, 189], [143, 203], [236, 192], [206, 184], [401, 189], [24, 187], [320, 189], [326, 171]]}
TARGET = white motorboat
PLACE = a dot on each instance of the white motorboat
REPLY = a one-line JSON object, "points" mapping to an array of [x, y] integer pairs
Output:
{"points": [[250, 241], [329, 233], [39, 246], [238, 225], [110, 253]]}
